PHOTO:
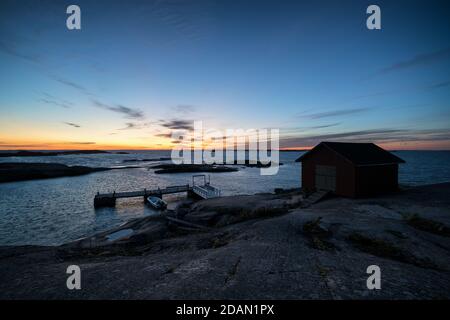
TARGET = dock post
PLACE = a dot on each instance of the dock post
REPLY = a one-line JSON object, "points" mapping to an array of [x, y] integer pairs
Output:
{"points": [[104, 201]]}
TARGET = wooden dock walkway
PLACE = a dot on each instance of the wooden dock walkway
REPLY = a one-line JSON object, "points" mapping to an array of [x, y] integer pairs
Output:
{"points": [[205, 191]]}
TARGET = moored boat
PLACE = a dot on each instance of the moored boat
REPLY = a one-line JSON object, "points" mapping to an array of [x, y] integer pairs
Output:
{"points": [[157, 203]]}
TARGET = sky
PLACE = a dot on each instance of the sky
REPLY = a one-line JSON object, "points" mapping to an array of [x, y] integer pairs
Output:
{"points": [[138, 70]]}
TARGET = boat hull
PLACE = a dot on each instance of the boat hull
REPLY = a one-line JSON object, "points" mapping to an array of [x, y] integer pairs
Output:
{"points": [[156, 203]]}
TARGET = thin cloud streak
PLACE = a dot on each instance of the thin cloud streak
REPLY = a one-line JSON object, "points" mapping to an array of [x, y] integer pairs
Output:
{"points": [[129, 125], [50, 99], [418, 60], [129, 113], [135, 126], [55, 103], [377, 136], [438, 85], [178, 124], [424, 87], [72, 85], [12, 51], [164, 135], [290, 131], [325, 126], [72, 124], [184, 109], [334, 113]]}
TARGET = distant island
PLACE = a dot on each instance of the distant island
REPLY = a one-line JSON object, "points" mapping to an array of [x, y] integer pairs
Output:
{"points": [[180, 168], [147, 160], [24, 153], [16, 171], [258, 164]]}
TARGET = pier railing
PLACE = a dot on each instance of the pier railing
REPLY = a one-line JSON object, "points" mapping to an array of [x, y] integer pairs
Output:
{"points": [[109, 199], [206, 191]]}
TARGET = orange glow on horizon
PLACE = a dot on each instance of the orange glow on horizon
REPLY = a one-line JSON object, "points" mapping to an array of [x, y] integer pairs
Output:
{"points": [[21, 145], [167, 145]]}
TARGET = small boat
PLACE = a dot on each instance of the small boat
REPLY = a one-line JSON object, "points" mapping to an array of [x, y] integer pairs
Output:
{"points": [[157, 203]]}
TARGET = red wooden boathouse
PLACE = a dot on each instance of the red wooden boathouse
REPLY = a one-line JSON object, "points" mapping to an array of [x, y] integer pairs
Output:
{"points": [[350, 169]]}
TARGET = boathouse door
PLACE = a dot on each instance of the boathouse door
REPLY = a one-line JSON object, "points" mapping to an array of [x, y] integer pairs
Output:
{"points": [[325, 178]]}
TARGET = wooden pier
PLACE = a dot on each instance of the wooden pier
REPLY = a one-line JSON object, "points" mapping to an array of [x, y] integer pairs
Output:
{"points": [[205, 191]]}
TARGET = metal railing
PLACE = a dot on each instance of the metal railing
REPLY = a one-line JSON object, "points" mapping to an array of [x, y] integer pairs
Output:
{"points": [[206, 191]]}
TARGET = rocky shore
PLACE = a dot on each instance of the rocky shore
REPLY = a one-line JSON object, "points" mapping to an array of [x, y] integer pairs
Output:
{"points": [[264, 246]]}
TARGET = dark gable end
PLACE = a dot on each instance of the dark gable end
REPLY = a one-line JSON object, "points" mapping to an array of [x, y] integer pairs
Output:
{"points": [[359, 154]]}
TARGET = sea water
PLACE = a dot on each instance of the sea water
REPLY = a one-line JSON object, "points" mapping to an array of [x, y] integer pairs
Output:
{"points": [[54, 211]]}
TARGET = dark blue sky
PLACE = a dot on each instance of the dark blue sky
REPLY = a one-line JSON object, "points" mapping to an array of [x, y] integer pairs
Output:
{"points": [[139, 69]]}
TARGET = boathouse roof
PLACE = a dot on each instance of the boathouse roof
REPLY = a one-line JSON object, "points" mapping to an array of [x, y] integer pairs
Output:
{"points": [[359, 154]]}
